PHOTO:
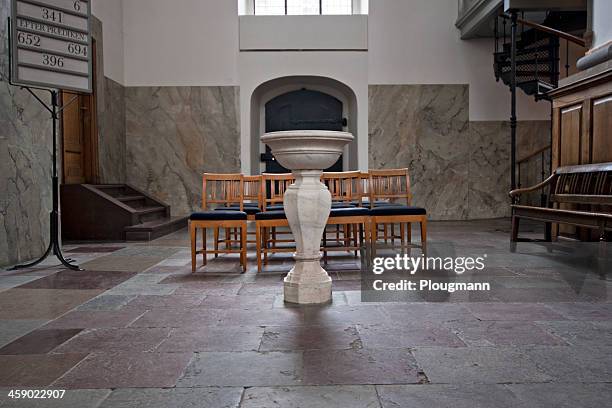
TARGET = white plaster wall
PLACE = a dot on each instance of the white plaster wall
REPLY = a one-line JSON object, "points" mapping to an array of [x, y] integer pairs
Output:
{"points": [[602, 26], [180, 42], [304, 32], [416, 42], [348, 67], [110, 12]]}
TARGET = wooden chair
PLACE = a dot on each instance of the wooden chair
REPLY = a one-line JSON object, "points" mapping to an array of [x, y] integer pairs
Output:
{"points": [[220, 190], [273, 188], [347, 212], [390, 204]]}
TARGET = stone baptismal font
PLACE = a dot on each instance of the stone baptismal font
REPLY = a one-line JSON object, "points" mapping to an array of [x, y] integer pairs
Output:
{"points": [[307, 205]]}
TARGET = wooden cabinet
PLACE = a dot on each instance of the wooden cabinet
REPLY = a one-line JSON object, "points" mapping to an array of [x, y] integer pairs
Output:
{"points": [[582, 129], [582, 119]]}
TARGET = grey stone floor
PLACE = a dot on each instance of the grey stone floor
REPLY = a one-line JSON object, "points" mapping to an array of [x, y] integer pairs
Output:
{"points": [[137, 329]]}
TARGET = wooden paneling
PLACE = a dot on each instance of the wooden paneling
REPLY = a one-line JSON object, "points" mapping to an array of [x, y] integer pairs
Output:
{"points": [[602, 130], [570, 135], [582, 131], [73, 139]]}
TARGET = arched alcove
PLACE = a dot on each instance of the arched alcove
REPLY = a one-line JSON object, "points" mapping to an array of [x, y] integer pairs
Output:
{"points": [[272, 89]]}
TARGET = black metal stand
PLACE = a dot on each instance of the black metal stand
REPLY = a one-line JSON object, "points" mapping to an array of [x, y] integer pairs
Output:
{"points": [[55, 244], [514, 19]]}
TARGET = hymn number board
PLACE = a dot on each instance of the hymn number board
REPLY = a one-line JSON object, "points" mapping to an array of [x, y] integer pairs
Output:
{"points": [[51, 44]]}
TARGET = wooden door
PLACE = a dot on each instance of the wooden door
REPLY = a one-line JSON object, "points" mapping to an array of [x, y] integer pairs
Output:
{"points": [[79, 136], [302, 110]]}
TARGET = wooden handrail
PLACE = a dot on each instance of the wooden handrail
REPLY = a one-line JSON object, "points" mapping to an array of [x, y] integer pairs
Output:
{"points": [[529, 156], [560, 34]]}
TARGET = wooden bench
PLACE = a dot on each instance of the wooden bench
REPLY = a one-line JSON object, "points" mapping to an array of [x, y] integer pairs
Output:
{"points": [[585, 191]]}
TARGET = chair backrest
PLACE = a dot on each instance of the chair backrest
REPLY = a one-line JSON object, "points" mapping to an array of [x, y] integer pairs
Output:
{"points": [[252, 190], [344, 186], [389, 185], [274, 186], [222, 190], [584, 184]]}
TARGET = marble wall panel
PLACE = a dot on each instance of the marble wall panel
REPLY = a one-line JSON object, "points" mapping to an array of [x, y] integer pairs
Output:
{"points": [[426, 129], [459, 169], [25, 165], [174, 134], [112, 150]]}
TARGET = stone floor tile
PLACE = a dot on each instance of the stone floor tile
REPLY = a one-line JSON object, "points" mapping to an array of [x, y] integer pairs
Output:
{"points": [[39, 341], [580, 333], [338, 299], [95, 319], [243, 369], [38, 370], [122, 263], [310, 338], [487, 365], [41, 303], [335, 316], [404, 336], [213, 397], [69, 279], [199, 339], [186, 318], [126, 370], [513, 311], [147, 302], [106, 303], [114, 340], [13, 329], [503, 333], [238, 302], [208, 288], [146, 251], [360, 366], [71, 399], [93, 249], [331, 396], [9, 282], [582, 311], [446, 396], [276, 317], [572, 395], [406, 313], [573, 363]]}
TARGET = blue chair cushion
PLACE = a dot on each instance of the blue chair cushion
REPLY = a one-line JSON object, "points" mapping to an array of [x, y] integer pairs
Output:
{"points": [[397, 210], [275, 207], [342, 204], [218, 215], [247, 209], [270, 215], [349, 212]]}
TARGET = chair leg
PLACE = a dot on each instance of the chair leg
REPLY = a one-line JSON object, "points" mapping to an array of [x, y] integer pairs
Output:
{"points": [[374, 236], [192, 235], [409, 232], [266, 239], [216, 234], [228, 237], [424, 236], [243, 246], [515, 228], [258, 246], [204, 253], [403, 235]]}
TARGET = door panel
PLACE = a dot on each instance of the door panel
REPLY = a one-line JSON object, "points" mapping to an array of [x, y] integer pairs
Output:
{"points": [[602, 123], [73, 139], [570, 138], [571, 132], [302, 110]]}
